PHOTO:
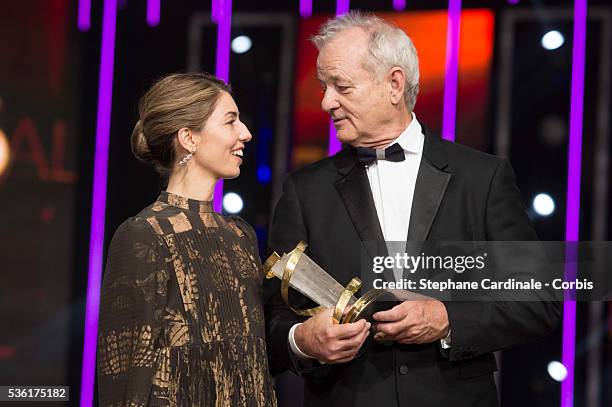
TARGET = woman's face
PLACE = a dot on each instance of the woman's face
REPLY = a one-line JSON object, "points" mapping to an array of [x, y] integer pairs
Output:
{"points": [[222, 140]]}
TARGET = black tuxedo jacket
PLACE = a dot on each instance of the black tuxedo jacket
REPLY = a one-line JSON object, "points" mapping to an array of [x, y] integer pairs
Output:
{"points": [[460, 194]]}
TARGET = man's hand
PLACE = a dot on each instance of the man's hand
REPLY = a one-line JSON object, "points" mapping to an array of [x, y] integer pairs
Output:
{"points": [[413, 321], [320, 338]]}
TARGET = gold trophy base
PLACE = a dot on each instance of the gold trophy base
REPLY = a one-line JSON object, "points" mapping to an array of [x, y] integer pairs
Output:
{"points": [[371, 302], [367, 305]]}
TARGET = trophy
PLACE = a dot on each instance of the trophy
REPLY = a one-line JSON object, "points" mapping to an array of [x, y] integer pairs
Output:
{"points": [[299, 271]]}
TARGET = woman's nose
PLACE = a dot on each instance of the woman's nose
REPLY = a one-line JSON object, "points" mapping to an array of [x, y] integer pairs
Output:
{"points": [[245, 134]]}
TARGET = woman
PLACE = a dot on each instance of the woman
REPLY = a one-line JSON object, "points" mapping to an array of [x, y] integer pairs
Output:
{"points": [[181, 319]]}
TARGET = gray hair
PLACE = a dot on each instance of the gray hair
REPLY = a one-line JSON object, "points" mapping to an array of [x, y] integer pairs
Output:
{"points": [[388, 46]]}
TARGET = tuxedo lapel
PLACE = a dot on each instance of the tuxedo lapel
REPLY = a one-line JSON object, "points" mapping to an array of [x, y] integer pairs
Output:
{"points": [[354, 189], [430, 188]]}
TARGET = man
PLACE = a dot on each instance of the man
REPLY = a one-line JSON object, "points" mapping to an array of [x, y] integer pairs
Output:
{"points": [[393, 181]]}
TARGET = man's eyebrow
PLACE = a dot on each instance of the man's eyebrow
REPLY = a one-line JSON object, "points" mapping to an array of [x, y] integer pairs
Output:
{"points": [[337, 79], [332, 78]]}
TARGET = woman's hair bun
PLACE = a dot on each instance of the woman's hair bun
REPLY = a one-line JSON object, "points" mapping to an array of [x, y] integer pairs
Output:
{"points": [[140, 145]]}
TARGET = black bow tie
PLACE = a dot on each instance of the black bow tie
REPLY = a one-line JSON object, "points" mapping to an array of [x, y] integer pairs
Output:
{"points": [[367, 155]]}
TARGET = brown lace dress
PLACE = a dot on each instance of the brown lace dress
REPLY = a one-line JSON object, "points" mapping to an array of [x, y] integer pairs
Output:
{"points": [[181, 314]]}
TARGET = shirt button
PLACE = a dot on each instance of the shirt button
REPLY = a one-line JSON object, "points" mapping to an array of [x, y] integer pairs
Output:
{"points": [[403, 369]]}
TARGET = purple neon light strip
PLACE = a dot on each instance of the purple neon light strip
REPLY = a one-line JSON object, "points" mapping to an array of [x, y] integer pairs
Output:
{"points": [[342, 6], [572, 215], [305, 8], [568, 342], [451, 70], [224, 27], [153, 12], [84, 15], [98, 209], [399, 5], [214, 14], [223, 13], [334, 145]]}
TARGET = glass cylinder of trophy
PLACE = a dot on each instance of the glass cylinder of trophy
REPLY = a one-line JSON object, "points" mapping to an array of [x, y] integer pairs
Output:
{"points": [[297, 270]]}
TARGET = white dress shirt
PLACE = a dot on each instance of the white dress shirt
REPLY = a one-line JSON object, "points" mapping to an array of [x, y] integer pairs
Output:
{"points": [[392, 185]]}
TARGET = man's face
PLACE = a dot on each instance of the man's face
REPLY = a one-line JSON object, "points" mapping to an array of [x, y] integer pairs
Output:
{"points": [[358, 104]]}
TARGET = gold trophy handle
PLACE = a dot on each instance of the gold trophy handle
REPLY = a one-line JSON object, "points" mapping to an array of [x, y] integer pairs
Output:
{"points": [[269, 263], [294, 257], [353, 286]]}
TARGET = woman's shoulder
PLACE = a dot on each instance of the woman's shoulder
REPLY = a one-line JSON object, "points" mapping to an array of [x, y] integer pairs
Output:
{"points": [[244, 227], [149, 219], [143, 227]]}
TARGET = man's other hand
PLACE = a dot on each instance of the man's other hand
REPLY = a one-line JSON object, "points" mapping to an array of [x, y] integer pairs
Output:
{"points": [[412, 321]]}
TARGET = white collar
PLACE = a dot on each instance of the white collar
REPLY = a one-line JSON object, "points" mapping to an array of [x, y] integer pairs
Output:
{"points": [[411, 139]]}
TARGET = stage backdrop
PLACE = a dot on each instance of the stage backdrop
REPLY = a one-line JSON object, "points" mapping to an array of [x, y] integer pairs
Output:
{"points": [[37, 189]]}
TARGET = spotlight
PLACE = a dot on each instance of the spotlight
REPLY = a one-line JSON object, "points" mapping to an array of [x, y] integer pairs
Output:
{"points": [[553, 130], [232, 202], [543, 204], [5, 152], [264, 174], [552, 40], [241, 44], [557, 371]]}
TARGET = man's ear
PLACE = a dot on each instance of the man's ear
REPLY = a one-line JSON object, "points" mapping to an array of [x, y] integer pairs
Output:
{"points": [[187, 139], [397, 83]]}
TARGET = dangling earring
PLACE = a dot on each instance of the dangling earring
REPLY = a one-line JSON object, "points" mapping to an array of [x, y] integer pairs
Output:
{"points": [[185, 159]]}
